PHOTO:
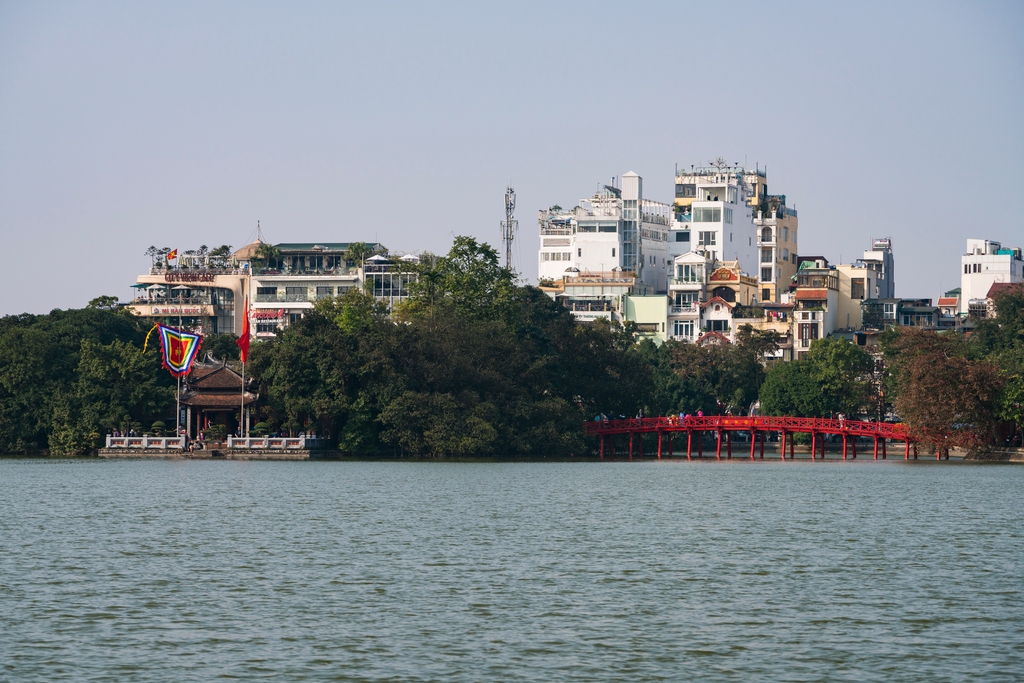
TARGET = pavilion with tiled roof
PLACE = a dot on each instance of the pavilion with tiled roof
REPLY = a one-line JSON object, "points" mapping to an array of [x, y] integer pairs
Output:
{"points": [[212, 394]]}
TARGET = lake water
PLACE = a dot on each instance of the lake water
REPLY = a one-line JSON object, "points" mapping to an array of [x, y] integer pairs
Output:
{"points": [[383, 571]]}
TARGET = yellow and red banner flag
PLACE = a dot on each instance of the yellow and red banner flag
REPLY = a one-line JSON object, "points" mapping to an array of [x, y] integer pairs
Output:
{"points": [[172, 255], [178, 349]]}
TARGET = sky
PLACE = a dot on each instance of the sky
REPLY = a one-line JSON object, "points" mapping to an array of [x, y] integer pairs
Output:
{"points": [[126, 124]]}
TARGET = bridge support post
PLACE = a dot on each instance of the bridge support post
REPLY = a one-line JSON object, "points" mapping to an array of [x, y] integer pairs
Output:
{"points": [[814, 446], [631, 445], [670, 435], [689, 443], [602, 446], [883, 448], [659, 445], [762, 445], [718, 447], [700, 444], [640, 444], [782, 439], [906, 449], [728, 445], [915, 451], [844, 446], [853, 445], [876, 448], [753, 439]]}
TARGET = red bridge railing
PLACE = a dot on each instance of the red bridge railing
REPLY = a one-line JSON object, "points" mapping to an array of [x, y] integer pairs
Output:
{"points": [[724, 425]]}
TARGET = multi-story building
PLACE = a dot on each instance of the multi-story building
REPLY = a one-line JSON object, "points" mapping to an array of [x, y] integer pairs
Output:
{"points": [[776, 226], [986, 263], [286, 286], [207, 294], [712, 214], [880, 259], [615, 230], [855, 282], [816, 295], [201, 292]]}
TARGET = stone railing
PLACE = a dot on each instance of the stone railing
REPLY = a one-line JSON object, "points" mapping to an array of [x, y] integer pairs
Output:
{"points": [[277, 443], [165, 443]]}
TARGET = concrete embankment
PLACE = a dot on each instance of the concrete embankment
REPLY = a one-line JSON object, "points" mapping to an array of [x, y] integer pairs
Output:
{"points": [[217, 454], [997, 455]]}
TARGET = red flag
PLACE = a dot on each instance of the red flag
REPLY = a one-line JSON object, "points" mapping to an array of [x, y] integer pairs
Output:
{"points": [[243, 341], [172, 255]]}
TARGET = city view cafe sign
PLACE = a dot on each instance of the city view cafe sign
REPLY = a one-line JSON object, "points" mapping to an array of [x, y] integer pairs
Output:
{"points": [[188, 277]]}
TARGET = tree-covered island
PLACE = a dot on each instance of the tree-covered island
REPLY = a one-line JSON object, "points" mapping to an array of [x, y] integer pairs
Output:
{"points": [[474, 364]]}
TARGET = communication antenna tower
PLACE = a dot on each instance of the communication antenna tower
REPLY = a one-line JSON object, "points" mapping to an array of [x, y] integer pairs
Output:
{"points": [[509, 225]]}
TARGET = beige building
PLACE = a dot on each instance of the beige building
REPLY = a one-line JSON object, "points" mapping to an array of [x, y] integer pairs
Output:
{"points": [[776, 245]]}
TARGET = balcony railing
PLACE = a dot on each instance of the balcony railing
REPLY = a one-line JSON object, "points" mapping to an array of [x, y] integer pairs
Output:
{"points": [[690, 280], [683, 308]]}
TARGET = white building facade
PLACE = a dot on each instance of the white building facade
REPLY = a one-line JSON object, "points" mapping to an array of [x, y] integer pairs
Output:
{"points": [[616, 230], [986, 263]]}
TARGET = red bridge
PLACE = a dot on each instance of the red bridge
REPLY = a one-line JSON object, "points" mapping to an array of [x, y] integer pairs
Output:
{"points": [[723, 426]]}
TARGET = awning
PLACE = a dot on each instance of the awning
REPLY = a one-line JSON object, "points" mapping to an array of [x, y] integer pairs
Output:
{"points": [[138, 286]]}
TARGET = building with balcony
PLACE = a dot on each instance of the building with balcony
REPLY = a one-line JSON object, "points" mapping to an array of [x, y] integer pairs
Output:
{"points": [[200, 292], [284, 287], [712, 213], [776, 226], [815, 291], [590, 296], [985, 264], [616, 230]]}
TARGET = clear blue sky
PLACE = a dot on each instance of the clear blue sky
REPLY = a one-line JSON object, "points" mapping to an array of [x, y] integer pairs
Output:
{"points": [[129, 124]]}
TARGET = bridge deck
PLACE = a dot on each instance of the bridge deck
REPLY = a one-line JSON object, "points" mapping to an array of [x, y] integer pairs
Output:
{"points": [[724, 425]]}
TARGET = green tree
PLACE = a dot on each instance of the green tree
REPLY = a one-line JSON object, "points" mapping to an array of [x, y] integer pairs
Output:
{"points": [[105, 302]]}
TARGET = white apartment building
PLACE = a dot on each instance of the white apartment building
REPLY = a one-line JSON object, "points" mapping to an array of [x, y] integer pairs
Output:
{"points": [[880, 259], [616, 230], [713, 215], [986, 263]]}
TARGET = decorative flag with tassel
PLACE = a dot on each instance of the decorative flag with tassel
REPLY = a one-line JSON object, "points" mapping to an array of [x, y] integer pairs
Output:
{"points": [[243, 340], [178, 348]]}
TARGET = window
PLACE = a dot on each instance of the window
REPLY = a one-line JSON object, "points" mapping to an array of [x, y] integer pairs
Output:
{"points": [[266, 294], [705, 239], [766, 294], [613, 252], [586, 227], [785, 234], [684, 191], [324, 292], [683, 328], [266, 328], [889, 311], [707, 215], [608, 227], [296, 293], [683, 236], [766, 275], [965, 269], [728, 215], [785, 254], [857, 288], [766, 256], [766, 234], [579, 253], [687, 272]]}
